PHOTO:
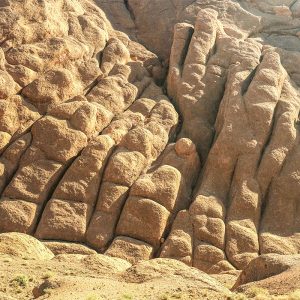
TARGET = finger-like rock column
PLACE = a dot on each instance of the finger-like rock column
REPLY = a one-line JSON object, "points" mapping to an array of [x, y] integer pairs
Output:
{"points": [[112, 194], [179, 244], [156, 197], [243, 127], [243, 100], [137, 150], [191, 71], [278, 176], [199, 63], [260, 102], [67, 214]]}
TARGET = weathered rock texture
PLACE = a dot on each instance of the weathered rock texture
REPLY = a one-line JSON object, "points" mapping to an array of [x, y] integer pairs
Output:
{"points": [[85, 129], [277, 273], [95, 150], [274, 22], [246, 198], [23, 246]]}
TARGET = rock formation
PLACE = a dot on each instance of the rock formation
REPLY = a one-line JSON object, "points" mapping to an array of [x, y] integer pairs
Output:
{"points": [[82, 120], [189, 152], [245, 199]]}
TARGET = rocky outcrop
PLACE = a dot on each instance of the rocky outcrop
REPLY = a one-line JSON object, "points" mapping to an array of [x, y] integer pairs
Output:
{"points": [[265, 266], [100, 146], [271, 22], [87, 126], [23, 246], [276, 274], [247, 136]]}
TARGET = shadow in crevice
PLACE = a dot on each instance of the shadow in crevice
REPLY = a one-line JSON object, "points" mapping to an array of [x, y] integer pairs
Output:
{"points": [[247, 82]]}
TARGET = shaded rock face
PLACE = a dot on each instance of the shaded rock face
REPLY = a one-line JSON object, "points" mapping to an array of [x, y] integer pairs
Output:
{"points": [[94, 150], [273, 22]]}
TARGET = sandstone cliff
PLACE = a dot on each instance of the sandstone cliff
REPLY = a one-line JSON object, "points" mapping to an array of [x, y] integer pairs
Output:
{"points": [[149, 129]]}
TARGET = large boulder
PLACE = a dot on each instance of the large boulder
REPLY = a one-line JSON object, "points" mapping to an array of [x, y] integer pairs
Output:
{"points": [[271, 274], [265, 266], [24, 246]]}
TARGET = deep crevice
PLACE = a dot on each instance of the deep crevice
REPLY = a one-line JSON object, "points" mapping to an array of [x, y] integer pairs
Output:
{"points": [[247, 82], [8, 180], [127, 5], [52, 190]]}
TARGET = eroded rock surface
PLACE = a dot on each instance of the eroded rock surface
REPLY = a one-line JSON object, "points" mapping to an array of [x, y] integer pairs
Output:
{"points": [[275, 273], [100, 145], [83, 121], [245, 199], [23, 246]]}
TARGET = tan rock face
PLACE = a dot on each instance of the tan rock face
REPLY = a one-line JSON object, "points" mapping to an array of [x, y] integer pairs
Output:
{"points": [[250, 147], [96, 149], [88, 122]]}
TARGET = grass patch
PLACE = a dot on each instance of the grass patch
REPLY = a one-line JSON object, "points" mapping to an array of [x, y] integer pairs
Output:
{"points": [[170, 296], [21, 281]]}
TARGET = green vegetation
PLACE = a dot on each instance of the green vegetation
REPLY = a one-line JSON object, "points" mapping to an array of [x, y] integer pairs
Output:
{"points": [[21, 281]]}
